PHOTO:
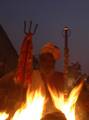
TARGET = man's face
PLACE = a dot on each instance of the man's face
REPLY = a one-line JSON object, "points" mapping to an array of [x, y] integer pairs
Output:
{"points": [[47, 61]]}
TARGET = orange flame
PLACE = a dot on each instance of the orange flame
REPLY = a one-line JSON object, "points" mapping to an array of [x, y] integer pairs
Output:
{"points": [[67, 106], [3, 115], [33, 107]]}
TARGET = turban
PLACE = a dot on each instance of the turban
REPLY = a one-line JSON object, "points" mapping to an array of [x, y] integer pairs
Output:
{"points": [[52, 49]]}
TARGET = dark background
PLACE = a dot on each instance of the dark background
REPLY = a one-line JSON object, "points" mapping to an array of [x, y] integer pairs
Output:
{"points": [[52, 16]]}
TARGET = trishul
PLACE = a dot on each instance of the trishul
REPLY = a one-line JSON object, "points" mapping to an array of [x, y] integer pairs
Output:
{"points": [[26, 56]]}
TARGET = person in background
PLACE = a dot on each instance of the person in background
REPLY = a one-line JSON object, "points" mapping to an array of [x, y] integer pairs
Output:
{"points": [[46, 75]]}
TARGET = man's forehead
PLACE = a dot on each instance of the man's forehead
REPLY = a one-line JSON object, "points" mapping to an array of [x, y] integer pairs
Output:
{"points": [[46, 55]]}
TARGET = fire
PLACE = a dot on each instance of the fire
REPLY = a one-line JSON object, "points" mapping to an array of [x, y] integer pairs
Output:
{"points": [[33, 107], [67, 106], [3, 115]]}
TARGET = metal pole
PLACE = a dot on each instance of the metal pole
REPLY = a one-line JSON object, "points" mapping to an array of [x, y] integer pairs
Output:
{"points": [[66, 56]]}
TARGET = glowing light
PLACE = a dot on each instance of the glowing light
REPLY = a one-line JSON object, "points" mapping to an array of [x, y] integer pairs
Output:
{"points": [[33, 108], [3, 116]]}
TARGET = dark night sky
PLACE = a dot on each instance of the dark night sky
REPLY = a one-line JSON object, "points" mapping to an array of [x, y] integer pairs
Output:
{"points": [[52, 16]]}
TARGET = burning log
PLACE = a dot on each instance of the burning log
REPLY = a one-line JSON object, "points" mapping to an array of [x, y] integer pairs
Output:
{"points": [[54, 116]]}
